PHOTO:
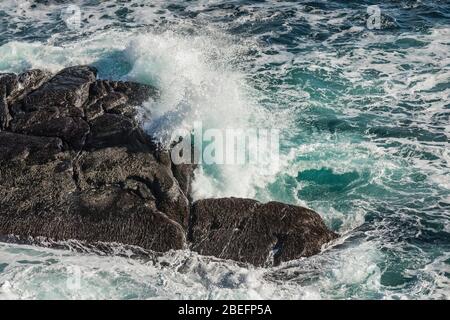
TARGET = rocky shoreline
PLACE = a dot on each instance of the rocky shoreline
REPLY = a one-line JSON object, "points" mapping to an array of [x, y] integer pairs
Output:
{"points": [[75, 163]]}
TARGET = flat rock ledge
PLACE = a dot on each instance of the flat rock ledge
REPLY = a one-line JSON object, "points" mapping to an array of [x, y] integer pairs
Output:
{"points": [[75, 164]]}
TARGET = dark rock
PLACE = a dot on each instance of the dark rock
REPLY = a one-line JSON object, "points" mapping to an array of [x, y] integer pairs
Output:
{"points": [[184, 173], [261, 234], [31, 150], [36, 181], [68, 88], [109, 130], [136, 92], [108, 214], [113, 214], [117, 97], [7, 83], [5, 116], [67, 172], [13, 87], [72, 130], [16, 86], [75, 164], [139, 172]]}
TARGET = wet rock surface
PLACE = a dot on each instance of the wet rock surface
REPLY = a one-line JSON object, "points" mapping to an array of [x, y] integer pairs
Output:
{"points": [[69, 173], [261, 234], [75, 163]]}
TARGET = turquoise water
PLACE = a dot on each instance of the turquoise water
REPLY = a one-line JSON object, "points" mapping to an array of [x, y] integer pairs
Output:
{"points": [[364, 117]]}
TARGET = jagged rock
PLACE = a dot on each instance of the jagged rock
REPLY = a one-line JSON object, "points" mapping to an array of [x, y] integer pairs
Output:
{"points": [[67, 173], [72, 130], [184, 173], [29, 150], [261, 234], [75, 163], [69, 88], [7, 83], [117, 97], [5, 116], [13, 87], [141, 170]]}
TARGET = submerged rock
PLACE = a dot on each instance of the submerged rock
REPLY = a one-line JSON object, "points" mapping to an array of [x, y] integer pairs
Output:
{"points": [[75, 164]]}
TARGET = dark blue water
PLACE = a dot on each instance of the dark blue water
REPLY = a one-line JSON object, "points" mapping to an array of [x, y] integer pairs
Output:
{"points": [[364, 115]]}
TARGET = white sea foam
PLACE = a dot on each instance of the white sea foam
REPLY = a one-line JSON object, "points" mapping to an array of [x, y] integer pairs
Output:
{"points": [[210, 76], [185, 275]]}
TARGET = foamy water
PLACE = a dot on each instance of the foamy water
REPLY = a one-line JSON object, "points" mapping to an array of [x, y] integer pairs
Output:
{"points": [[364, 122]]}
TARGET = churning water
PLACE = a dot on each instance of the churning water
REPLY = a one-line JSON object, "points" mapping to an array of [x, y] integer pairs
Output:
{"points": [[364, 118]]}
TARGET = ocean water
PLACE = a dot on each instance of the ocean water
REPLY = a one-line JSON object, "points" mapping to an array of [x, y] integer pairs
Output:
{"points": [[364, 120]]}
